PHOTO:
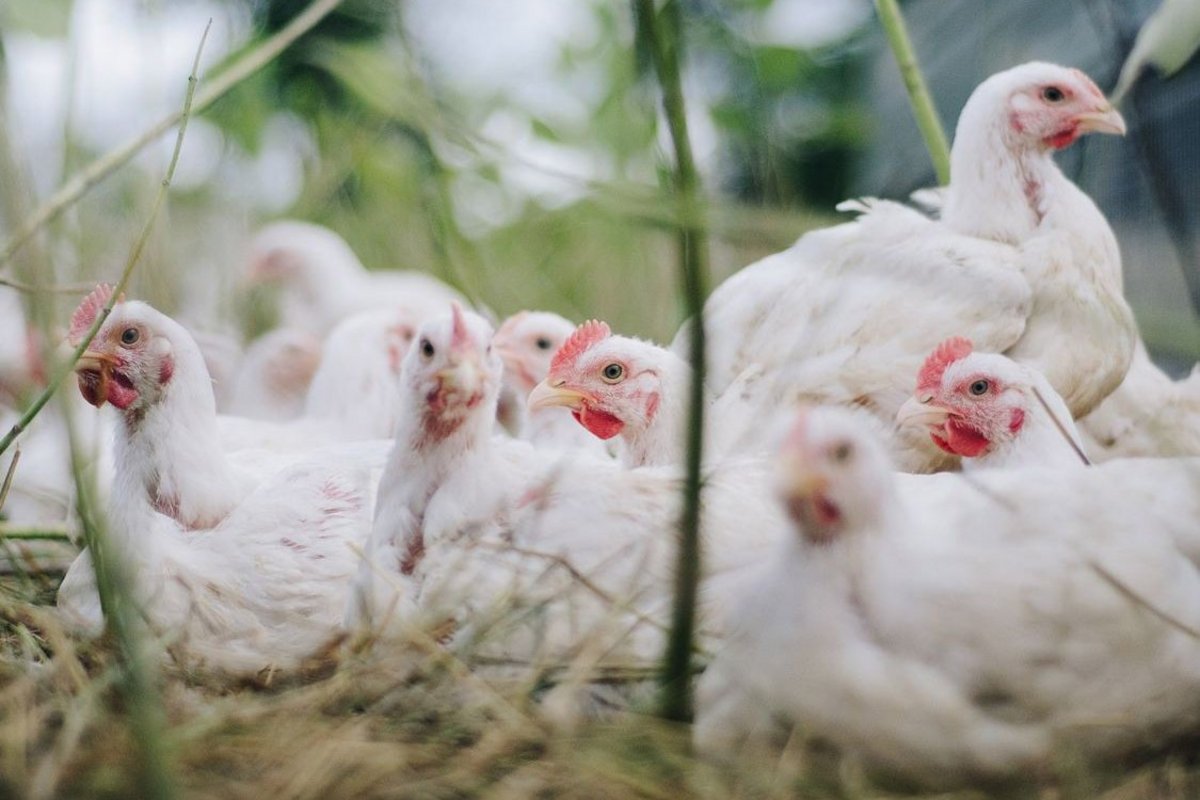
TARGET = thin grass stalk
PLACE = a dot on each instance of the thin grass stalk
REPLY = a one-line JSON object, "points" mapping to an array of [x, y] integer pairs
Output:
{"points": [[8, 477], [67, 367], [34, 535], [918, 92], [147, 720], [215, 89], [662, 34]]}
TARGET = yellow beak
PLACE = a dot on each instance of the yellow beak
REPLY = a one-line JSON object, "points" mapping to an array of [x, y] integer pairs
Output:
{"points": [[463, 376], [1105, 120], [547, 394], [916, 413], [94, 361]]}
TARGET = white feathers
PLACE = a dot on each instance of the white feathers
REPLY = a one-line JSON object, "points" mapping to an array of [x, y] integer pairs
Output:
{"points": [[1021, 261], [966, 627]]}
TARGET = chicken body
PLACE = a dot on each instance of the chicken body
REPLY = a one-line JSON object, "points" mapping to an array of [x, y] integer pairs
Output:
{"points": [[945, 628], [243, 570], [526, 552], [1021, 261]]}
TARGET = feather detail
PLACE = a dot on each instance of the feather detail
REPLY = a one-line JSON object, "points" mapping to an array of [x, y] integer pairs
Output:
{"points": [[946, 353], [583, 339]]}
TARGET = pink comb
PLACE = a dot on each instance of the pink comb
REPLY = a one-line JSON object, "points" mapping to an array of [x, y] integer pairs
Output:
{"points": [[945, 354], [579, 342], [86, 313], [460, 337]]}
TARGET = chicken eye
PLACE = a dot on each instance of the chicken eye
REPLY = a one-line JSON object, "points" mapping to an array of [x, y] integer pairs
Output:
{"points": [[979, 387], [613, 373], [842, 452], [543, 343], [1053, 94], [427, 348], [130, 336]]}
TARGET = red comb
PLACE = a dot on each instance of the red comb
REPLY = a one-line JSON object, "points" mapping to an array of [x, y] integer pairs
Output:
{"points": [[86, 313], [945, 354], [579, 342]]}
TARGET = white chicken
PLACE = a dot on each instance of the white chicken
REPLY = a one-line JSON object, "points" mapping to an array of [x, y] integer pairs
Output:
{"points": [[21, 366], [991, 411], [357, 386], [321, 280], [274, 376], [1147, 415], [470, 525], [943, 628], [244, 571], [1021, 261]]}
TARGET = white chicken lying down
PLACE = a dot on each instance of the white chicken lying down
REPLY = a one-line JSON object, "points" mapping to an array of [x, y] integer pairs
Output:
{"points": [[1147, 415], [943, 627], [527, 342], [991, 411], [321, 280], [1021, 261], [241, 571], [575, 548], [275, 374]]}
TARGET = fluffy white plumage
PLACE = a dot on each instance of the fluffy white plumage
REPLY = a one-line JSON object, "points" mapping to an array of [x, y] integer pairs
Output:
{"points": [[1021, 261], [1147, 415], [321, 280], [244, 570], [942, 627], [468, 523]]}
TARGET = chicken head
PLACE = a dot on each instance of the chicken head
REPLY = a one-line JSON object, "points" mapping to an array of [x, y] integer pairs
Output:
{"points": [[832, 476]]}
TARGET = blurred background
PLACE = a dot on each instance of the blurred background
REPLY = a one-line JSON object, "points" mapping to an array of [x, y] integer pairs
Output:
{"points": [[512, 147]]}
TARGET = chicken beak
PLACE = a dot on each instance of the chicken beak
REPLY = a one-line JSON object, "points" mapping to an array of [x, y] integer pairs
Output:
{"points": [[1103, 120], [799, 481], [93, 371], [94, 361], [463, 377], [918, 413], [803, 490], [552, 392]]}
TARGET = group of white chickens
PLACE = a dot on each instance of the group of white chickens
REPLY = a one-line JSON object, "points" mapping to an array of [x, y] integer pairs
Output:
{"points": [[400, 467]]}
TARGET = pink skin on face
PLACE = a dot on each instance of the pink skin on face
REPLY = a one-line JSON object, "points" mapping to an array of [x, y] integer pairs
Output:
{"points": [[1062, 111]]}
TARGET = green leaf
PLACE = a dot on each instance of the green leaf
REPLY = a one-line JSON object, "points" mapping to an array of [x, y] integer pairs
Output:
{"points": [[1167, 40], [48, 18]]}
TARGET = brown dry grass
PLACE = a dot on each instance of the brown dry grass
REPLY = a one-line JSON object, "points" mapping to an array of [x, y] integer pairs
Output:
{"points": [[411, 722]]}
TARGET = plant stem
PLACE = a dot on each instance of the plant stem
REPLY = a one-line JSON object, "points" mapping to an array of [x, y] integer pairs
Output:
{"points": [[918, 93], [8, 477], [105, 165], [67, 367], [33, 535], [143, 703], [663, 36]]}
